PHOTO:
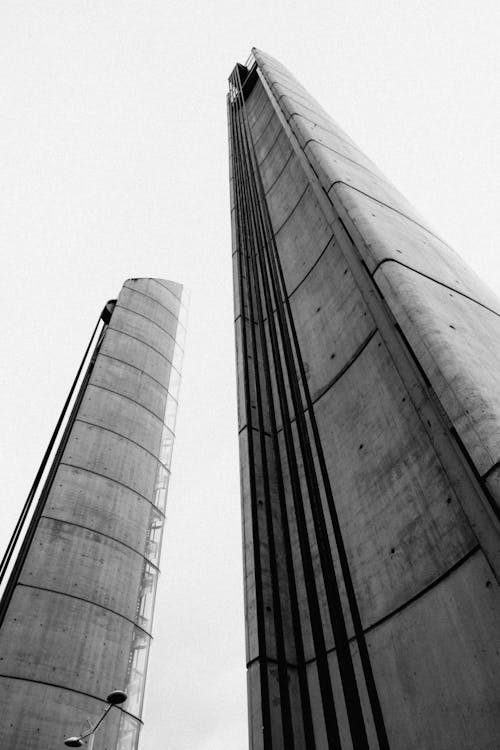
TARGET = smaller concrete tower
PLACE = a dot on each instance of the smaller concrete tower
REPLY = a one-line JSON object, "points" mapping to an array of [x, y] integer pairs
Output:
{"points": [[77, 609]]}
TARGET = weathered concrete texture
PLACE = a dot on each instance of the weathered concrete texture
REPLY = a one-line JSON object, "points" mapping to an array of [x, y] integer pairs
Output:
{"points": [[402, 524], [79, 621], [96, 502], [419, 657], [456, 341], [363, 343], [51, 712]]}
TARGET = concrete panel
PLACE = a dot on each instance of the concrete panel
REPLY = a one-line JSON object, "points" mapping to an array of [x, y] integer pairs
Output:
{"points": [[320, 738], [264, 139], [149, 308], [296, 94], [331, 320], [307, 131], [387, 234], [256, 103], [492, 482], [340, 703], [293, 106], [136, 354], [104, 505], [275, 71], [402, 524], [281, 80], [277, 734], [139, 328], [243, 417], [436, 665], [301, 240], [276, 526], [275, 160], [62, 640], [260, 124], [172, 287], [363, 694], [333, 167], [86, 564], [236, 284], [44, 715], [255, 718], [456, 342], [130, 382], [283, 197], [168, 296], [296, 707], [123, 416], [112, 456], [249, 583], [265, 581], [258, 378]]}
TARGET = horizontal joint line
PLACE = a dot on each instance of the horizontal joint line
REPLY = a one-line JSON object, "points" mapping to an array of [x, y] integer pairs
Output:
{"points": [[87, 601], [69, 689], [101, 533], [115, 481], [436, 281], [124, 437]]}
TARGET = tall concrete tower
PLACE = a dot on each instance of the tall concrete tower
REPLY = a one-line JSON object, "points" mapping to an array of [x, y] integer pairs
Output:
{"points": [[369, 415], [77, 609]]}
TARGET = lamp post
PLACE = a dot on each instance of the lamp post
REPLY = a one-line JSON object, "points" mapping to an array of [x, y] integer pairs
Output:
{"points": [[114, 698]]}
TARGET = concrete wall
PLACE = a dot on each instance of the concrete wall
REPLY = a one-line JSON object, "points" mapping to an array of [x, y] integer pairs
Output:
{"points": [[370, 464], [79, 621]]}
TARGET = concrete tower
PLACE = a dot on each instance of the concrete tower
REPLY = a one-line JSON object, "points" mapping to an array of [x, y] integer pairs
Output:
{"points": [[369, 415], [77, 610]]}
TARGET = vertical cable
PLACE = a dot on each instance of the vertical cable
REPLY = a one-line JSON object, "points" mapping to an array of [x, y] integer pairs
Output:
{"points": [[30, 532]]}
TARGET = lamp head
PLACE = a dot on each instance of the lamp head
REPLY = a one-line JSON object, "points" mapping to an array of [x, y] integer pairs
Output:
{"points": [[73, 742], [116, 697]]}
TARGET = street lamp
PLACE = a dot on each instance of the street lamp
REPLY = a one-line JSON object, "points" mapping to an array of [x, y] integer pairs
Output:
{"points": [[114, 698]]}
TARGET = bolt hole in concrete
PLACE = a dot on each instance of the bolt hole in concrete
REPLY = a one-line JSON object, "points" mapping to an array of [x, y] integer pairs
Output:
{"points": [[488, 584], [392, 550], [332, 356], [361, 446], [318, 309], [448, 500]]}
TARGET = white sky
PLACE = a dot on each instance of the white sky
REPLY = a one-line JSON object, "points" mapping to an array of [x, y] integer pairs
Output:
{"points": [[113, 163]]}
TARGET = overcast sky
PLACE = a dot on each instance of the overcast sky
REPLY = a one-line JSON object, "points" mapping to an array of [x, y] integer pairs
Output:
{"points": [[113, 163]]}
